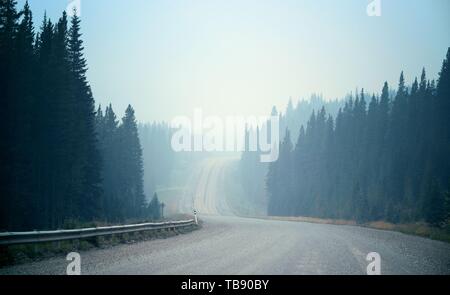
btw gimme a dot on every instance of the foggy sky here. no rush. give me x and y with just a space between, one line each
241 57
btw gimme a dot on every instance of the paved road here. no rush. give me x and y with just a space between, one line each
206 191
234 245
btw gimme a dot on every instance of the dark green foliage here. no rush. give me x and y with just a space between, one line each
107 132
447 206
122 167
132 165
435 205
9 23
87 157
253 173
50 157
388 161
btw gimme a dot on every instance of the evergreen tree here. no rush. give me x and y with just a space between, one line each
388 162
88 190
9 18
107 131
132 165
154 208
434 209
50 152
442 121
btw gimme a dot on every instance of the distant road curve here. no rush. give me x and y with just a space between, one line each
205 190
235 245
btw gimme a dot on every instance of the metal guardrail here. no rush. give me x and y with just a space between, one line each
15 238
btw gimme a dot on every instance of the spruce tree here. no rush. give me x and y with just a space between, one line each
154 208
442 119
9 18
88 191
132 169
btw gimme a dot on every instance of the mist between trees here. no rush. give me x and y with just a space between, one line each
381 157
62 162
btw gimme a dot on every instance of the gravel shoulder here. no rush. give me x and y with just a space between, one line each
234 245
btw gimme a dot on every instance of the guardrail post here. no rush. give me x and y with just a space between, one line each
94 241
76 243
137 236
195 217
125 237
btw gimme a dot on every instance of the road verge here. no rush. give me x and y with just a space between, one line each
421 229
25 253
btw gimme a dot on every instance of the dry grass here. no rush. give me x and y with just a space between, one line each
313 220
419 228
381 225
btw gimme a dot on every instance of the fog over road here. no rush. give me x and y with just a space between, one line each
206 190
228 244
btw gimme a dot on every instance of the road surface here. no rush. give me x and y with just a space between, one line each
228 244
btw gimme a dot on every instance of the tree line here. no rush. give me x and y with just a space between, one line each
380 158
160 161
60 161
122 169
251 171
298 114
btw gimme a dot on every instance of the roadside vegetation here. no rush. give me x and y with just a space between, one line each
17 254
421 229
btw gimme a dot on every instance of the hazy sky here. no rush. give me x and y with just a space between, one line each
242 57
